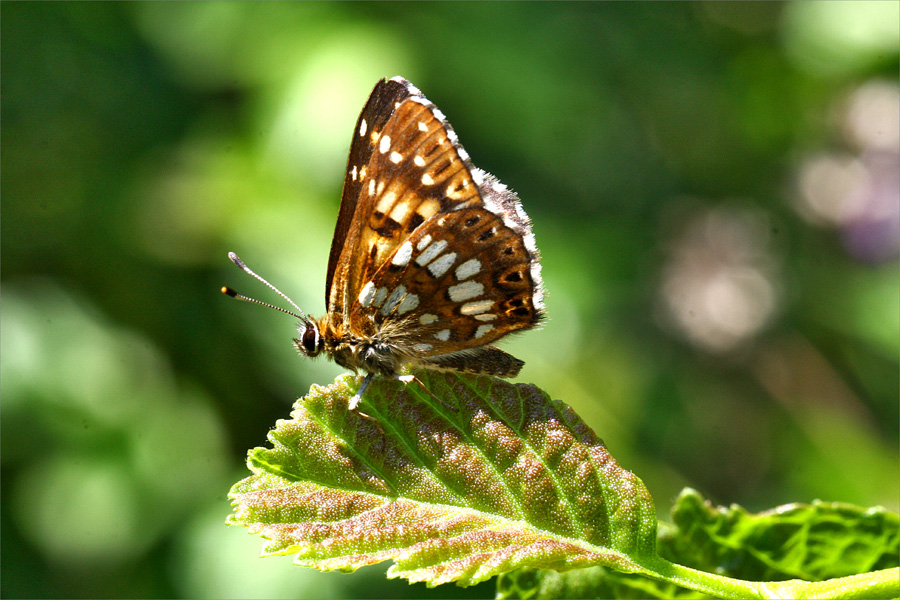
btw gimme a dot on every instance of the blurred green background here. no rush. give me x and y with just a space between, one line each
714 188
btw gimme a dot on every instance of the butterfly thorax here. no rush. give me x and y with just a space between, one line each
369 351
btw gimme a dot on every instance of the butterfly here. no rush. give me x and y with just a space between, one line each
432 260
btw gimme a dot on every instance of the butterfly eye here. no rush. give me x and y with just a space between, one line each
310 342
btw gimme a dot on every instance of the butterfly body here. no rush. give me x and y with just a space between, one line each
369 351
432 259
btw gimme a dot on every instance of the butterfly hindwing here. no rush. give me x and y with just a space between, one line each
463 279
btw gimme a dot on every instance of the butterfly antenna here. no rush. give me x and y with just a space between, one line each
230 292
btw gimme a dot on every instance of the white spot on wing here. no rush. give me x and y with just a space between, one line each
380 295
442 264
410 302
394 299
423 243
465 290
401 209
422 347
367 294
474 308
420 162
427 179
427 319
423 126
385 202
362 127
396 157
485 317
432 251
468 268
403 254
443 335
353 172
385 144
482 329
371 186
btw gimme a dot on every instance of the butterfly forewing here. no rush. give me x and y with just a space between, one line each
413 173
372 119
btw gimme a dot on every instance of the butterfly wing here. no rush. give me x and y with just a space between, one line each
386 190
463 279
441 259
377 112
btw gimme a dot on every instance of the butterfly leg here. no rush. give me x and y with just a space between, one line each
357 397
353 405
407 379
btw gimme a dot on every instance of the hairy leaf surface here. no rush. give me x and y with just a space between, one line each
490 478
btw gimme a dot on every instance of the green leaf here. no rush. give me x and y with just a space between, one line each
495 477
796 541
817 541
491 478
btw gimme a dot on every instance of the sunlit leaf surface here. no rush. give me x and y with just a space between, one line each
491 478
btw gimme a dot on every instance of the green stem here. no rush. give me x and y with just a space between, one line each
717 586
875 585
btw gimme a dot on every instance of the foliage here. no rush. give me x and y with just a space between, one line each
713 188
465 478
